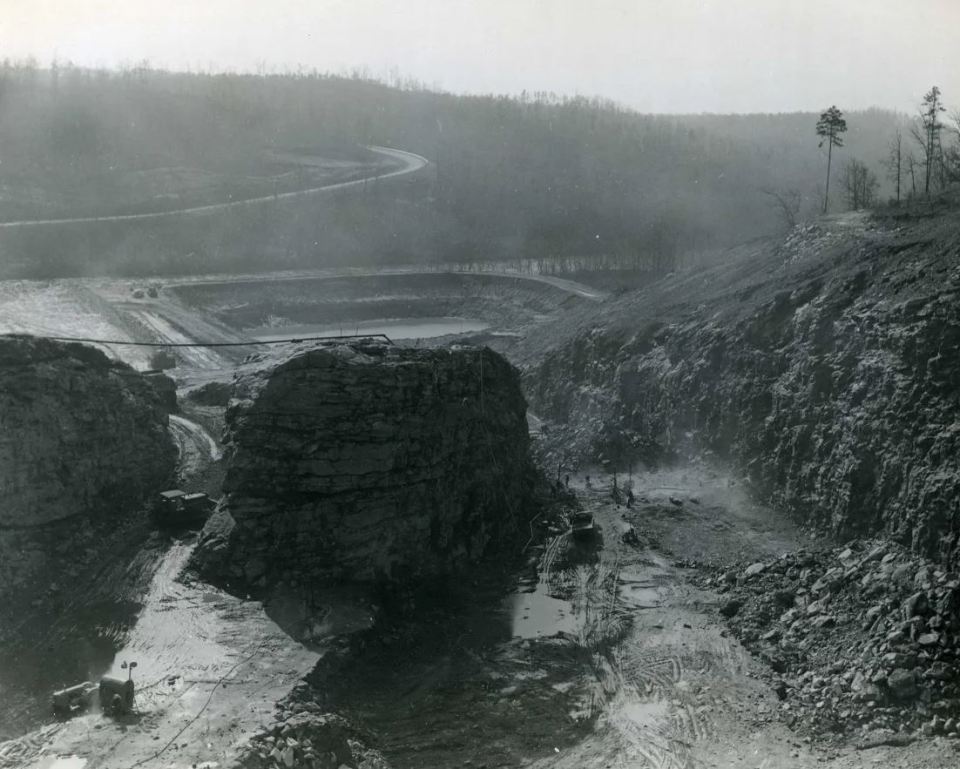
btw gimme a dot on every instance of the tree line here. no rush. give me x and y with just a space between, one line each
929 161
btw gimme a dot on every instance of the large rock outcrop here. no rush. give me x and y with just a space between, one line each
81 438
369 462
825 367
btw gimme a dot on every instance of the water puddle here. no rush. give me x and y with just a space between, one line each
538 615
643 713
640 595
407 328
62 762
641 586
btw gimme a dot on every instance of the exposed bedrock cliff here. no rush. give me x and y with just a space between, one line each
825 366
369 462
82 439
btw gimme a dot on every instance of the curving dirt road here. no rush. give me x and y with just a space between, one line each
410 163
195 444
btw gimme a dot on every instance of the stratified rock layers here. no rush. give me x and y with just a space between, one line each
368 462
81 438
827 369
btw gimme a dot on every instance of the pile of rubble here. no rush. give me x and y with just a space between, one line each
861 640
806 240
304 737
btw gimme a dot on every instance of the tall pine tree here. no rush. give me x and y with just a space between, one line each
829 127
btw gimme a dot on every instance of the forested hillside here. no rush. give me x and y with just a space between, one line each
533 177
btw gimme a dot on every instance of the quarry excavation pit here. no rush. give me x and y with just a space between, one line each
700 626
352 422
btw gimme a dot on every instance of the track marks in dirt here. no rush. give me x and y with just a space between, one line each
661 672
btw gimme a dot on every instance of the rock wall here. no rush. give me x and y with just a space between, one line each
82 438
829 374
369 462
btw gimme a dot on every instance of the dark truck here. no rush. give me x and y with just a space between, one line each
581 524
176 509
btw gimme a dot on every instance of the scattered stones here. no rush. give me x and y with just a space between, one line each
851 649
731 607
915 605
305 740
902 684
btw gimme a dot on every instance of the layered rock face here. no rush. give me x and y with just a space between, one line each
830 374
369 462
81 437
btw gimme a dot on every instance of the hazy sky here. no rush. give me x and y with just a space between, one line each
654 55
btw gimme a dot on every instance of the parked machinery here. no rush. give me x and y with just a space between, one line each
74 699
115 696
581 525
176 509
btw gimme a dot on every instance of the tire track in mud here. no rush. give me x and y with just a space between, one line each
636 688
672 691
16 753
644 679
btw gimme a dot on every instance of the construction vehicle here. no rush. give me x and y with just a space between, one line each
176 509
115 696
581 524
74 699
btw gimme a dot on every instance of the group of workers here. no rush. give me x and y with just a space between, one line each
620 497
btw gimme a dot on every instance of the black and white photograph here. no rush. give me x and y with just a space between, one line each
479 384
